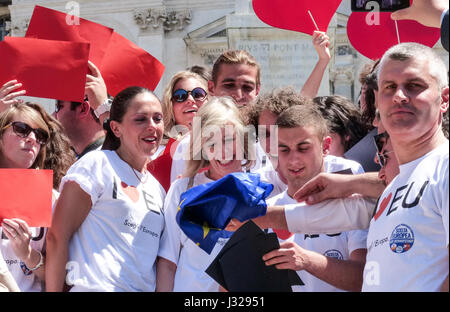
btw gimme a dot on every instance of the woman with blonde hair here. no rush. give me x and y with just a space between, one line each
222 147
182 99
23 139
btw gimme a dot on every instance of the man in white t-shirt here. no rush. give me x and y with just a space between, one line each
328 262
409 232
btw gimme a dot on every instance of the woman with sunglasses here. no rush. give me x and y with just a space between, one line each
182 99
108 219
23 138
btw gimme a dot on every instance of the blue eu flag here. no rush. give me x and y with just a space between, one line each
205 210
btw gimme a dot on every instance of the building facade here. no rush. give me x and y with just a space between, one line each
183 33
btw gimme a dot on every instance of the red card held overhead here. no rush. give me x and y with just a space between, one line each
372 34
26 194
125 64
297 15
54 25
46 68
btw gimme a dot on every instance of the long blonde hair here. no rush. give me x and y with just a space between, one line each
7 116
218 112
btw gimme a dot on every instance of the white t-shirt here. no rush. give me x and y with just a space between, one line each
409 235
182 154
336 245
332 164
191 260
116 246
330 216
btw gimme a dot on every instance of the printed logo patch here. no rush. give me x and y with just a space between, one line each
334 253
402 239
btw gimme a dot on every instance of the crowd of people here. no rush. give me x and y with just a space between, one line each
122 164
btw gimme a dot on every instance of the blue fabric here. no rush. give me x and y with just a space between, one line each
206 209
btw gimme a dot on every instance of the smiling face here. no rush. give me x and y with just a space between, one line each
141 129
410 101
18 152
301 155
223 150
238 81
185 112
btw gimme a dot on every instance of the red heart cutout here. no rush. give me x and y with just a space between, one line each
130 191
374 40
383 206
293 15
283 234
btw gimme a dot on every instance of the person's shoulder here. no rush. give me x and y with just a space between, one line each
91 159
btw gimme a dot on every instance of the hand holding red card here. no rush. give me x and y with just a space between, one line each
46 68
26 194
304 16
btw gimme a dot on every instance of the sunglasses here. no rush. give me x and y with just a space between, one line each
23 130
380 140
182 95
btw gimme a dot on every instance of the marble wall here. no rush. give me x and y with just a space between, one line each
182 33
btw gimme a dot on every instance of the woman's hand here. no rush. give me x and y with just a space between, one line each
19 234
8 96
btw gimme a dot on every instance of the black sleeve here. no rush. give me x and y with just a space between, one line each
444 32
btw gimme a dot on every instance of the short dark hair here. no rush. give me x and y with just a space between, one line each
303 116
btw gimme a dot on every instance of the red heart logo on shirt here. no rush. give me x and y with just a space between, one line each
383 205
373 33
130 191
295 15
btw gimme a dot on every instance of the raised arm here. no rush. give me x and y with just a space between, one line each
96 90
321 44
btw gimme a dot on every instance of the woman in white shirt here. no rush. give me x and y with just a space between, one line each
108 219
223 148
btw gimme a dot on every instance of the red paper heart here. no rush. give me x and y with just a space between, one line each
383 206
283 234
374 40
293 15
130 191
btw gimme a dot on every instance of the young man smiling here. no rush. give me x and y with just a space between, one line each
324 262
